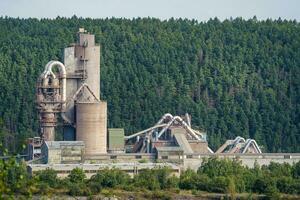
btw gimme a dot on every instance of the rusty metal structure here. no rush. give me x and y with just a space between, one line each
71 91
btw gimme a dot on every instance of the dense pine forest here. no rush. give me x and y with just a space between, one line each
236 77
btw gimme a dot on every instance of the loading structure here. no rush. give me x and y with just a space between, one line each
240 145
169 131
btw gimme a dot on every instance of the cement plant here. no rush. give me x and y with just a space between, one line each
68 95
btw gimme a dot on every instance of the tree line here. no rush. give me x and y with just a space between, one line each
223 176
235 77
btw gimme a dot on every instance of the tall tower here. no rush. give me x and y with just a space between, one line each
82 62
84 108
75 93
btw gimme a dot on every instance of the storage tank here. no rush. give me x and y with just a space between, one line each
91 123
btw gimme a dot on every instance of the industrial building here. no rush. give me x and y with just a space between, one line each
68 95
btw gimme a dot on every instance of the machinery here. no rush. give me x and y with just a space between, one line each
169 131
239 145
72 91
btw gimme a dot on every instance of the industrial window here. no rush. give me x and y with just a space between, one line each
138 156
164 157
113 157
189 156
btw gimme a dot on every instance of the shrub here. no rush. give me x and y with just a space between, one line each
44 188
203 182
296 170
284 184
78 189
110 178
147 179
160 195
77 175
49 177
219 184
214 167
263 184
162 175
188 180
272 193
14 177
94 187
172 182
278 170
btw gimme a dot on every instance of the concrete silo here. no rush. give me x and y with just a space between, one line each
91 126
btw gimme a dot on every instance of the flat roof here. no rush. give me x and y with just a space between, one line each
172 148
58 144
37 167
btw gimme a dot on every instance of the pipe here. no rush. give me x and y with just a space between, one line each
185 125
238 139
248 142
209 149
63 76
188 119
165 116
144 131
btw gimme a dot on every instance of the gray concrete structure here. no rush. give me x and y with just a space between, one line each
194 161
91 126
62 152
132 168
82 62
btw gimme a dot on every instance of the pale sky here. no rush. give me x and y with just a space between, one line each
163 9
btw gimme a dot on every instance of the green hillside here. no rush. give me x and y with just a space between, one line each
234 77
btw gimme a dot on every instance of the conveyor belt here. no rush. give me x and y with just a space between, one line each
183 143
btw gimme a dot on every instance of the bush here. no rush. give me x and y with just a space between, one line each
162 175
188 180
78 189
214 167
296 170
203 182
160 195
49 177
110 178
77 175
264 184
219 184
278 170
295 187
272 193
44 188
147 179
284 185
94 187
14 178
172 182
